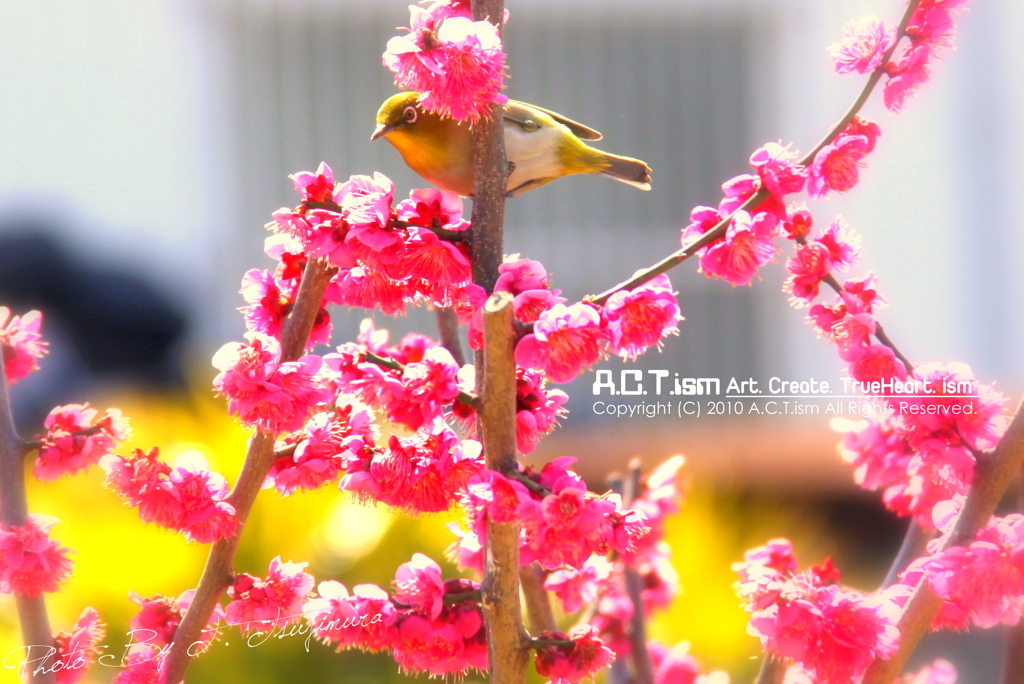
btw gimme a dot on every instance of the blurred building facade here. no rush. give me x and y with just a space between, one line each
157 136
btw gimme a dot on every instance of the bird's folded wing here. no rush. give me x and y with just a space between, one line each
526 117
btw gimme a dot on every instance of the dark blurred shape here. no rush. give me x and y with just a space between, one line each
118 324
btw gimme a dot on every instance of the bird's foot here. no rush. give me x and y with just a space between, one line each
524 187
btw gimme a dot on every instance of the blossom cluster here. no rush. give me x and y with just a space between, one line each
21 343
322 450
924 453
920 448
187 498
929 33
423 380
566 340
455 64
749 240
562 522
30 561
982 583
833 633
423 473
152 633
75 439
76 650
428 624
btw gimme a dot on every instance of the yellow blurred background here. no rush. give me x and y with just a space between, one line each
344 540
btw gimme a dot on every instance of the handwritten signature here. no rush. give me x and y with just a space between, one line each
282 627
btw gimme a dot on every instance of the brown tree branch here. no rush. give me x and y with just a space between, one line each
915 543
537 599
773 670
762 194
991 478
1013 644
35 623
219 571
448 333
507 640
643 670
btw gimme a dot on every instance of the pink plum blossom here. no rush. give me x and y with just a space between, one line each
878 362
776 165
418 584
638 319
321 451
274 603
30 561
565 341
187 497
160 616
749 243
20 343
144 665
905 76
574 588
78 649
452 644
831 632
364 619
432 208
842 243
587 656
454 63
199 492
864 42
270 298
264 392
807 268
986 577
424 472
836 166
75 439
315 186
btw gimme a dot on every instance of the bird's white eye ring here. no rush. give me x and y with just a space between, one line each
411 114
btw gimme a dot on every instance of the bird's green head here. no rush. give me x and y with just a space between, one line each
401 111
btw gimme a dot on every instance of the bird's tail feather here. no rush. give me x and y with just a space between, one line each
630 171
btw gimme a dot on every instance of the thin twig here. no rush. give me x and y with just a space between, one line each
462 596
218 573
443 233
535 487
1013 643
880 333
991 478
558 643
537 599
643 670
676 258
915 542
762 194
35 623
773 670
448 333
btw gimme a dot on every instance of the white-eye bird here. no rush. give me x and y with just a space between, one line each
540 146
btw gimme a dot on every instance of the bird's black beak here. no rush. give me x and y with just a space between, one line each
381 129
